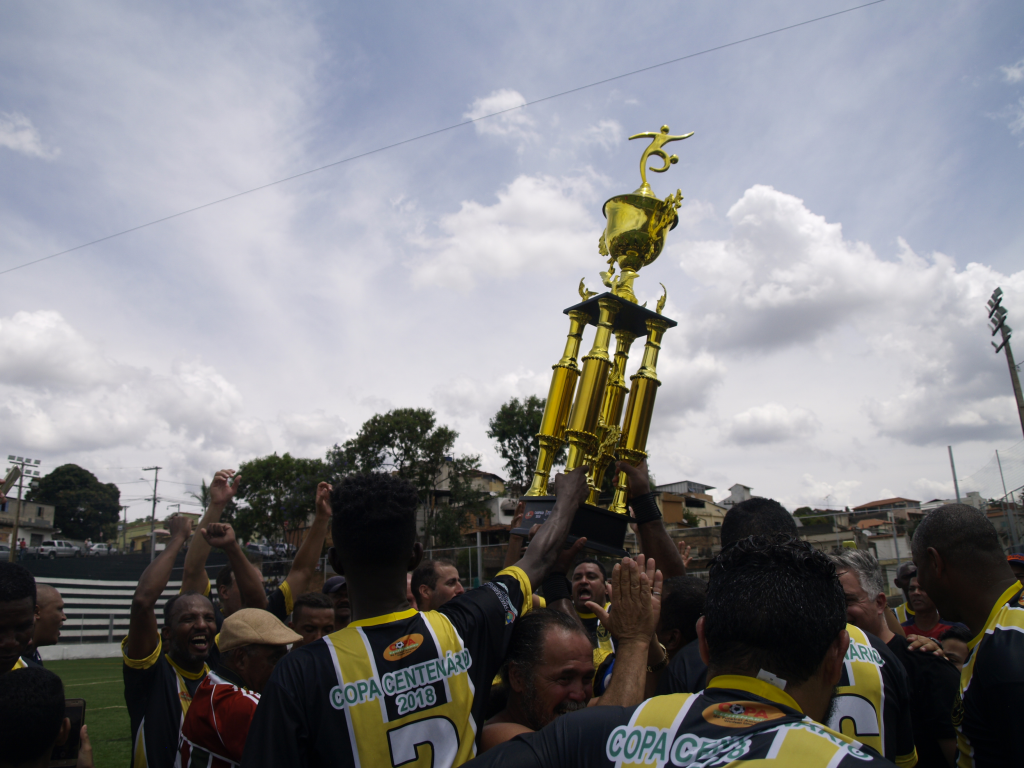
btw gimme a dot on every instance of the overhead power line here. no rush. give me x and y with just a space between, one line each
428 134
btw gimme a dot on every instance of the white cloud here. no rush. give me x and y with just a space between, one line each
1014 73
605 134
1016 115
312 433
513 122
539 222
772 423
18 134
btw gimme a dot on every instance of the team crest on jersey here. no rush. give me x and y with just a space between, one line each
501 591
741 714
958 711
602 632
402 647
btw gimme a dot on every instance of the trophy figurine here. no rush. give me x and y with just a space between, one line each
585 404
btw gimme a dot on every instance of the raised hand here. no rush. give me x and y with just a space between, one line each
637 477
567 556
224 486
323 499
517 518
220 535
572 488
180 526
684 552
632 618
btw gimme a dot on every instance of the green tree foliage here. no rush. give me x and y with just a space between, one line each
406 441
808 517
514 429
410 443
276 492
203 497
84 505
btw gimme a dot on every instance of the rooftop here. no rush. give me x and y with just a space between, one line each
896 502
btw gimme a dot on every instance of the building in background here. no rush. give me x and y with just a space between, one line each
35 522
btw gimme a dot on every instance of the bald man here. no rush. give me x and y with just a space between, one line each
49 620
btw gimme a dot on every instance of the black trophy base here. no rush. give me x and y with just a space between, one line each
605 531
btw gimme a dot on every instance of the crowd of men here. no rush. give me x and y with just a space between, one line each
783 653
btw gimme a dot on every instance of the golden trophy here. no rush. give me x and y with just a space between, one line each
584 408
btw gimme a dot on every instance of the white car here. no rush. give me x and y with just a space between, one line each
58 548
99 550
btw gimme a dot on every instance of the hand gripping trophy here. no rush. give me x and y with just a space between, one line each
584 406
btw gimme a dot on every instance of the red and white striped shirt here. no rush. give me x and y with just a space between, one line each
213 734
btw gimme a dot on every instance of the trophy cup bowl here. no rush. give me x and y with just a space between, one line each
636 229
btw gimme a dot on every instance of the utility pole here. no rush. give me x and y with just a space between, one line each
152 519
895 538
20 463
124 532
997 316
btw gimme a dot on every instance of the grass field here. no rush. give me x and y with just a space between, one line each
99 682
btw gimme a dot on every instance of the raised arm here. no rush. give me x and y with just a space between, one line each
248 578
636 604
515 541
304 564
654 536
570 491
222 490
143 632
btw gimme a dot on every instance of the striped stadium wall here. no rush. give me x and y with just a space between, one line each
89 605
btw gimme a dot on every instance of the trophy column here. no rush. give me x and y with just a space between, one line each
556 409
611 414
637 423
581 431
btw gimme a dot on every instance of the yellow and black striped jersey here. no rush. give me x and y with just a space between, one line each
405 689
735 721
903 612
597 631
157 693
985 714
873 699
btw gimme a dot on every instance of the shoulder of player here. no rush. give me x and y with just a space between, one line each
1002 646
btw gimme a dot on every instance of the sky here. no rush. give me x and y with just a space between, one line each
852 196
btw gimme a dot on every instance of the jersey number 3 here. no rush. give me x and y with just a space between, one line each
438 733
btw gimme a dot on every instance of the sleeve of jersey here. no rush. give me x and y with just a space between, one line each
484 618
279 733
579 738
899 731
281 601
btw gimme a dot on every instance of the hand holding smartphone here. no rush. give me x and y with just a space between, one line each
66 755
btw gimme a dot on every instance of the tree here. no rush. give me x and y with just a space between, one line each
406 441
84 505
810 517
276 492
203 497
410 443
514 428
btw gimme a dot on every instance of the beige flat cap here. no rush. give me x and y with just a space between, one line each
254 626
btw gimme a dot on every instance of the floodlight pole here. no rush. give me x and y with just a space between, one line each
997 316
12 556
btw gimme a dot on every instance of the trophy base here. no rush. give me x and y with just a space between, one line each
605 531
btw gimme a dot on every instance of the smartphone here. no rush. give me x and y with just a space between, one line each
67 753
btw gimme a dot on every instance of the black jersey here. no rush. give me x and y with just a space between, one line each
686 673
991 685
157 693
873 699
393 689
933 685
734 721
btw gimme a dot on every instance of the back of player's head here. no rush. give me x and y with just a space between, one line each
374 521
682 603
956 632
526 645
16 583
774 604
962 536
864 564
756 517
32 712
311 600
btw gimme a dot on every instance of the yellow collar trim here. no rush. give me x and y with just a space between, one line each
756 687
591 615
1000 602
386 618
184 672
